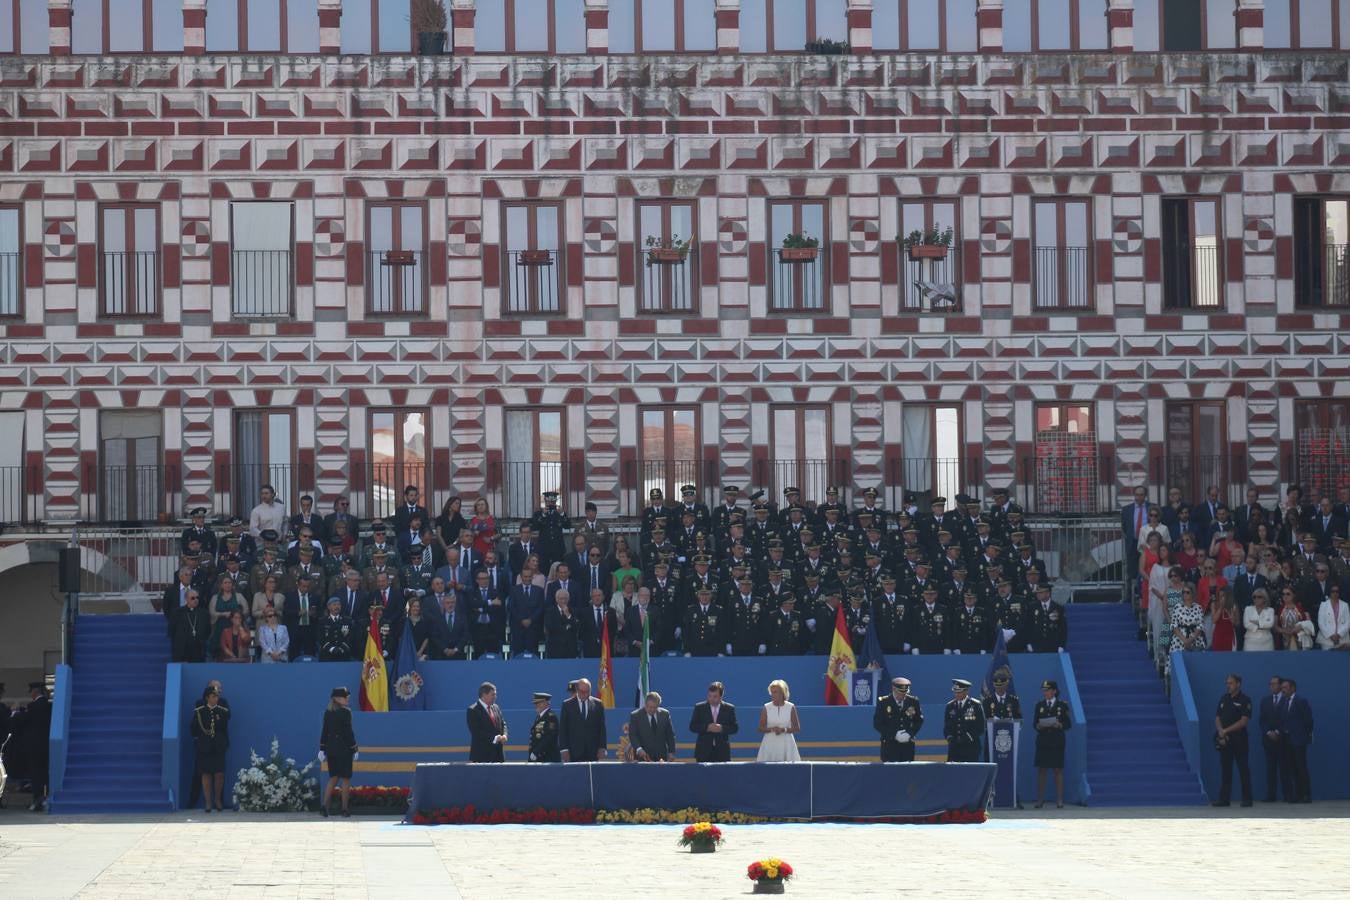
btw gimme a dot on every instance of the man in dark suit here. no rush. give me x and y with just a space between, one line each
36 742
581 730
1207 510
650 731
544 731
340 513
1296 734
1327 525
1270 712
714 722
300 612
595 574
521 549
525 609
594 621
562 637
632 625
1242 516
487 614
449 628
1248 582
1133 519
175 597
408 510
487 728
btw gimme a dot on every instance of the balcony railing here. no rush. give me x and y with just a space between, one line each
246 481
515 488
1068 478
798 279
669 285
932 283
1323 280
929 477
397 281
1191 276
130 283
1194 475
10 285
133 493
261 283
1063 277
533 280
387 483
1321 463
14 487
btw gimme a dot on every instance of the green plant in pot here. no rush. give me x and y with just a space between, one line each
799 247
932 243
428 20
667 250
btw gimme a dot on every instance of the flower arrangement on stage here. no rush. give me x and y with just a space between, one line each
686 816
275 784
701 837
395 798
469 815
769 875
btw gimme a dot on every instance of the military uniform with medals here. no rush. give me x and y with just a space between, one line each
705 632
963 725
549 525
747 622
894 719
784 631
972 629
928 630
544 734
335 639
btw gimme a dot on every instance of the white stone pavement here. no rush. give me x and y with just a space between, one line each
1075 853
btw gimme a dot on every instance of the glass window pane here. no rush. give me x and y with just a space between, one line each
264 25
6 33
1275 22
355 26
1345 24
546 228
410 222
382 438
569 28
1078 419
222 25
395 30
302 26
531 25
653 435
1017 26
9 230
1052 24
1337 222
916 442
550 436
114 230
124 28
912 218
621 24
813 221
658 25
1314 23
1205 218
944 216
167 31
86 24
1076 224
754 26
816 431
923 25
489 27
683 437
1092 30
781 223
886 25
789 24
1147 29
832 20
147 238
784 437
381 235
279 441
261 226
1047 225
700 25
682 221
414 437
1220 25
517 228
962 31
649 223
33 26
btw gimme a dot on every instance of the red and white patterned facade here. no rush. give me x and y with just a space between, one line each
466 135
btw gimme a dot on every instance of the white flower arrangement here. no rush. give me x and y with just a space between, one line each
275 784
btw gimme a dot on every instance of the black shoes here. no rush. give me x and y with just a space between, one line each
1221 803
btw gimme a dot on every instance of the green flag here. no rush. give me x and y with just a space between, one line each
644 663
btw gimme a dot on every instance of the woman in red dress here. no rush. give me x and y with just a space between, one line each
483 526
1224 616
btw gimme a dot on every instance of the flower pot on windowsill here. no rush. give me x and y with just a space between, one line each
397 258
927 251
798 254
431 43
535 258
769 886
666 256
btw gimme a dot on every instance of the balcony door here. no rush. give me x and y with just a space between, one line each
129 260
534 459
1194 458
932 453
264 447
670 452
398 458
131 465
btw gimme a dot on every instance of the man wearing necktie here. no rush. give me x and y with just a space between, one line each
650 732
581 729
486 611
595 620
450 633
1133 518
298 616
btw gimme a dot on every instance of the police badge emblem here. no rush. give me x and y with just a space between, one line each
1003 741
862 692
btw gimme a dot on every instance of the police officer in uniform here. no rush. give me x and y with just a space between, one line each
544 731
963 724
1002 703
748 620
857 618
335 634
972 628
688 503
549 524
1045 627
1051 720
706 631
657 513
928 630
784 632
1230 725
897 719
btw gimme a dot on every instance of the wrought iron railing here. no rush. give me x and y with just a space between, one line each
670 280
397 281
130 284
798 278
533 281
933 279
1191 276
1323 279
10 284
261 283
1063 277
133 493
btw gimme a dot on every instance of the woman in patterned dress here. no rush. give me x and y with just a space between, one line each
1188 625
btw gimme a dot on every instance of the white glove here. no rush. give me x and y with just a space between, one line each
983 652
915 651
956 652
1008 634
946 653
677 634
902 736
811 624
1060 650
763 649
906 648
356 755
728 649
322 757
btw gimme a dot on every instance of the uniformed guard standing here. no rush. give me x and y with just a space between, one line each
544 731
335 634
963 724
1002 704
928 631
748 621
897 719
549 525
706 629
1230 723
1045 628
784 632
973 628
1052 719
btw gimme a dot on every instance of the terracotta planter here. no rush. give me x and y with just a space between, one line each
397 258
703 848
535 257
928 251
769 886
666 256
798 254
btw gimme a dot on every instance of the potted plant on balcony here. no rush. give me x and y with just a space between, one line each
428 20
930 244
827 47
534 257
799 248
666 251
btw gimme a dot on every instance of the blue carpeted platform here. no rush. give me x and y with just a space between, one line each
1134 754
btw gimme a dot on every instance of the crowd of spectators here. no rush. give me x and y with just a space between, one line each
742 578
1253 578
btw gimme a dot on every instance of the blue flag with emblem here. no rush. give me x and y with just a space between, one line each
1001 737
873 659
998 663
407 690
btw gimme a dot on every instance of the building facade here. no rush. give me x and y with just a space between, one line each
606 245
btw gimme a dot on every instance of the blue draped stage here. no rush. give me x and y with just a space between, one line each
780 790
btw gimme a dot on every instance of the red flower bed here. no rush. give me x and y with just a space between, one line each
468 815
946 817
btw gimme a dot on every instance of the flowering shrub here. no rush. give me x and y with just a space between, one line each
275 784
380 797
686 816
468 815
773 869
702 834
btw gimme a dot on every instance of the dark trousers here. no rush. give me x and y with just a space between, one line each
1274 751
898 752
1295 773
963 752
1235 753
487 638
302 641
526 640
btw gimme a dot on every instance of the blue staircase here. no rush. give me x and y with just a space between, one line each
1134 756
113 761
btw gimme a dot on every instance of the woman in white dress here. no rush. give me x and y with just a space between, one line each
778 723
1258 621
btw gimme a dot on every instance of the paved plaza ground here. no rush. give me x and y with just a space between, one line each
1074 853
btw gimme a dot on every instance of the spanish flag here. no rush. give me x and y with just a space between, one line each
606 669
839 675
374 678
